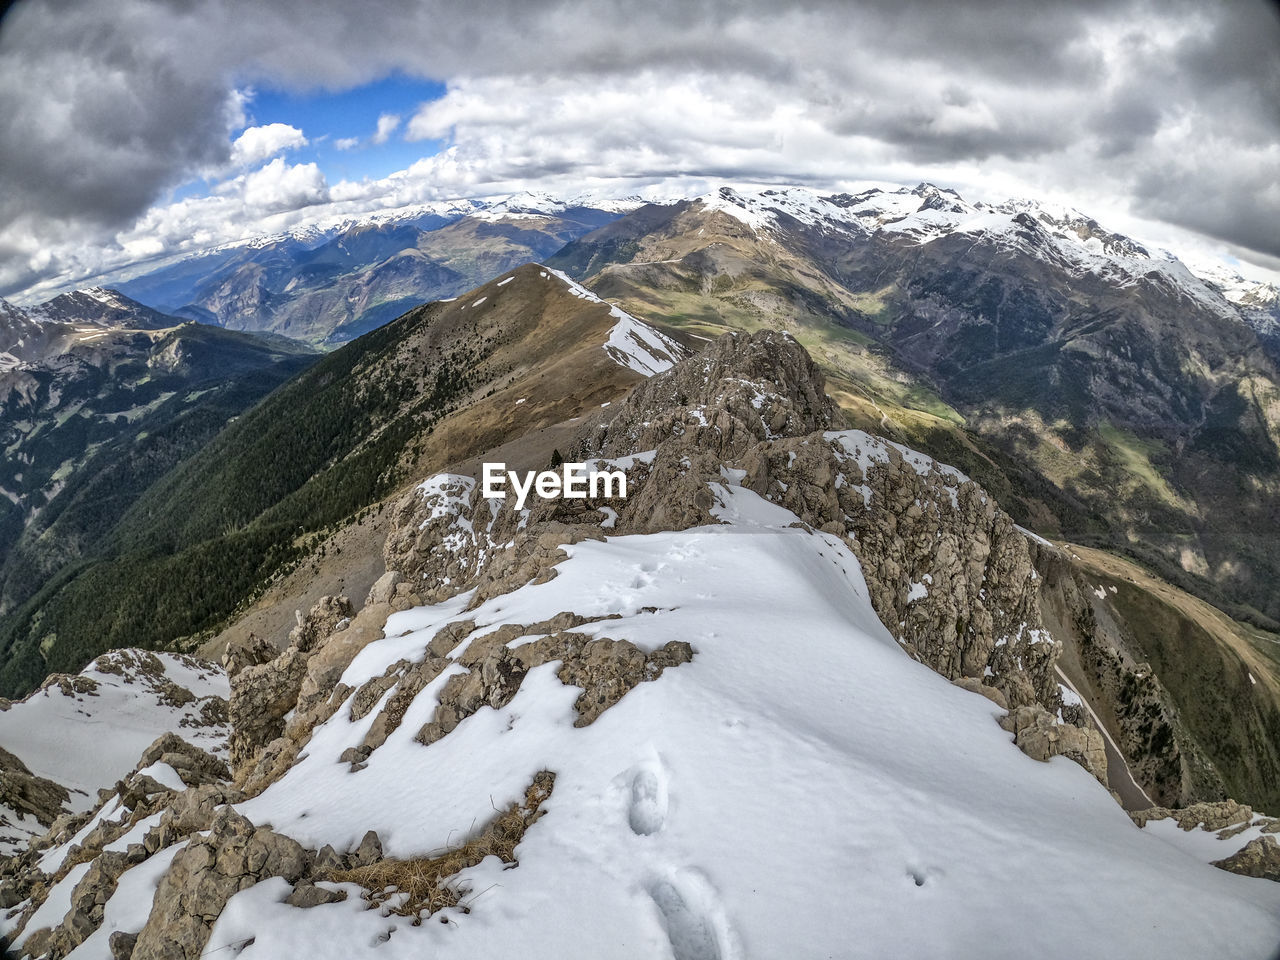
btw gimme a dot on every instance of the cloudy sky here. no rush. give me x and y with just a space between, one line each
132 130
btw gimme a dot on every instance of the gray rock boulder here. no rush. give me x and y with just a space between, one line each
210 871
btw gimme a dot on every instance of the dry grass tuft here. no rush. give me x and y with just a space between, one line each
418 888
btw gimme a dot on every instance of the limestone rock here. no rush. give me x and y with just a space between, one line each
263 693
1259 858
369 852
194 765
247 651
1212 816
977 686
190 811
121 945
204 876
27 793
323 621
306 895
1040 736
384 588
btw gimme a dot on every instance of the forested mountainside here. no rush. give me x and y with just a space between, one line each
256 499
99 397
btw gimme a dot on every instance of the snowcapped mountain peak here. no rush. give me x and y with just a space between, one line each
528 201
941 198
1072 225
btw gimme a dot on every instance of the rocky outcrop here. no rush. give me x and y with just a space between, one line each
1214 817
1259 858
1041 736
27 794
605 669
247 651
210 871
263 691
1147 726
194 766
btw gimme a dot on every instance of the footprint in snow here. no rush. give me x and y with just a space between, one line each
695 921
647 813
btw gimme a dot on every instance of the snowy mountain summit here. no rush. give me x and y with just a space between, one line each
762 707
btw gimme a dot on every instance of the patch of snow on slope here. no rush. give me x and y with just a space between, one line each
632 343
1205 845
89 739
802 780
56 905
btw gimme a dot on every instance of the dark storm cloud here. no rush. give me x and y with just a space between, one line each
104 106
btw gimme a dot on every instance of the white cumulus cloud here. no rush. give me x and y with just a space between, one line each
281 186
260 143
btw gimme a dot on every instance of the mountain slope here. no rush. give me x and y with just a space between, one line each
1106 393
128 698
711 719
335 440
98 409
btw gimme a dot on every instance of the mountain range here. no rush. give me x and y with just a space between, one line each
1103 392
920 492
329 286
602 724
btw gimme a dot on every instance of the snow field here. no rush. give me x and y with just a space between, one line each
802 788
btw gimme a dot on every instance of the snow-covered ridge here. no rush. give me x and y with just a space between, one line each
926 213
632 343
800 760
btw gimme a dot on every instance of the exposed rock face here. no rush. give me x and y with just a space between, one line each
263 691
25 793
247 652
748 388
948 572
1259 858
210 871
1160 753
1038 734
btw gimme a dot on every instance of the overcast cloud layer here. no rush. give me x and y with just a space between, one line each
1170 112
